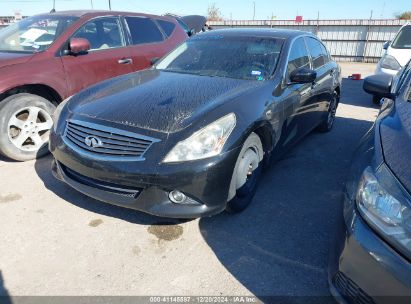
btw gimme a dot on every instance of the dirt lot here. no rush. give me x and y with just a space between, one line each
55 241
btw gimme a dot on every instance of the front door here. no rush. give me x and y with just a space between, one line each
298 98
107 58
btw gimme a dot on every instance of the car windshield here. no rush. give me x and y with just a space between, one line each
253 58
34 34
403 38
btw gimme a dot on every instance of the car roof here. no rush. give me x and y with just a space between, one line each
260 32
95 13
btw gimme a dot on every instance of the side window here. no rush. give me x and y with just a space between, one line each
318 52
102 33
168 27
143 30
299 57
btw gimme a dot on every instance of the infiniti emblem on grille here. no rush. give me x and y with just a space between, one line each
93 142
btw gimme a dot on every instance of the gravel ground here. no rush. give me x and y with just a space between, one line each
55 241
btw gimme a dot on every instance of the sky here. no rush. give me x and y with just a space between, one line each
230 9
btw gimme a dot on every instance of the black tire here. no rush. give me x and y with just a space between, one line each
376 99
244 195
328 122
22 106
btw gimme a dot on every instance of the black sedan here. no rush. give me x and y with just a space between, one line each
189 137
371 260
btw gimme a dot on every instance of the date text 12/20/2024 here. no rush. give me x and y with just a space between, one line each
205 299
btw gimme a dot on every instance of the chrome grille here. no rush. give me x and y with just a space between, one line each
102 141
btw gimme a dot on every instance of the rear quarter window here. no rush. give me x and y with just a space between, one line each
167 26
143 30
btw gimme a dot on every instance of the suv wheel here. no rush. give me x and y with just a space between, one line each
376 99
25 123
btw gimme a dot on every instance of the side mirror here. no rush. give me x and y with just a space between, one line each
379 85
303 75
79 46
386 45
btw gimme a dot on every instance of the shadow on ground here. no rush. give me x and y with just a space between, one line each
279 246
353 94
69 195
4 295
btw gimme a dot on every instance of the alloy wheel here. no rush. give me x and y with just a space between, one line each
331 112
28 128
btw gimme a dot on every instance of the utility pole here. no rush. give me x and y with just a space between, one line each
109 5
54 7
254 10
91 2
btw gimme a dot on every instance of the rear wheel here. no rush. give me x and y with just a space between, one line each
247 173
328 122
25 123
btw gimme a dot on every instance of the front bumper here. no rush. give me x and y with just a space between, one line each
363 268
145 185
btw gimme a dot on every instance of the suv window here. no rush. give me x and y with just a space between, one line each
318 52
299 57
143 30
102 33
403 38
167 26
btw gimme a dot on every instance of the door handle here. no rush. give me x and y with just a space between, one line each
125 61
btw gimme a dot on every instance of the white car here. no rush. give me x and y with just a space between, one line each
397 54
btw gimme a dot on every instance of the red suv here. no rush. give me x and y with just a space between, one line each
46 58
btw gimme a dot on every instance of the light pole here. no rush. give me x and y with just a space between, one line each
254 10
109 5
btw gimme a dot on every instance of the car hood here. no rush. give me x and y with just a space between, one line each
396 142
156 100
7 59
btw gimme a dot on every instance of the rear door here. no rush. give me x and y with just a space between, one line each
146 41
323 86
107 58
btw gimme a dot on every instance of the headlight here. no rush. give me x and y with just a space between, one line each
387 212
58 110
389 62
207 142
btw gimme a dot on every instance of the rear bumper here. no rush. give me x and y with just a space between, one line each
363 268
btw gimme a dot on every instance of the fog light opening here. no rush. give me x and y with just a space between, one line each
177 197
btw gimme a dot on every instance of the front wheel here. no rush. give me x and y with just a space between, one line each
25 123
246 175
